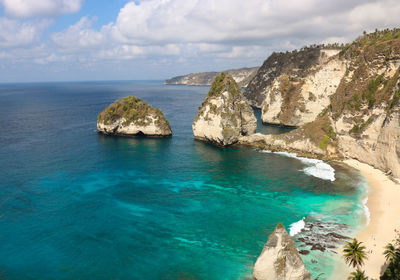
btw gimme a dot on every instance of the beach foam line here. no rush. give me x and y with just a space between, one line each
296 227
316 167
364 187
366 210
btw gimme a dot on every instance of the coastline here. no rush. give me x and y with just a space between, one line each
383 204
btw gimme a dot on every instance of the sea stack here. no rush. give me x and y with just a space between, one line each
225 114
130 116
280 260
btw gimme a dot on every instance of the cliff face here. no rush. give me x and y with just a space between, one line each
282 75
293 88
225 114
359 115
365 109
241 76
279 259
295 101
131 116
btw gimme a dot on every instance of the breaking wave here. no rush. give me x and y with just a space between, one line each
315 167
296 227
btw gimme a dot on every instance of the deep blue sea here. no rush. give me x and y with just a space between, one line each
75 204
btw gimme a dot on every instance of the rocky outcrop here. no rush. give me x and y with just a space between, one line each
296 101
295 64
225 115
131 116
293 88
241 76
279 259
361 116
310 140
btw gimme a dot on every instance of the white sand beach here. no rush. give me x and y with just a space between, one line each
384 206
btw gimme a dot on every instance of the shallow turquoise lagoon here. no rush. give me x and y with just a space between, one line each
75 204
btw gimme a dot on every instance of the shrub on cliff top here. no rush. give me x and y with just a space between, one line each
223 83
133 109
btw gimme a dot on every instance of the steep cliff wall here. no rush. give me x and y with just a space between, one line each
293 88
281 77
356 113
365 109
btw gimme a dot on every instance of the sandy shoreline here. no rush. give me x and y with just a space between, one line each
384 207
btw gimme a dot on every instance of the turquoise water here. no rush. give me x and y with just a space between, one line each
75 204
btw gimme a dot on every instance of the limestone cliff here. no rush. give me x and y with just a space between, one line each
293 88
225 115
279 259
285 71
241 76
361 118
131 116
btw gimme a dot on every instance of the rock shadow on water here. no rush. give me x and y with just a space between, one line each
139 141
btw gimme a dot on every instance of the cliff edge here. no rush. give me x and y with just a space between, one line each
361 117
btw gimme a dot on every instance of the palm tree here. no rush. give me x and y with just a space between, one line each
358 275
354 253
391 252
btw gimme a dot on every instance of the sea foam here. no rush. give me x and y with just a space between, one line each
366 210
316 167
296 227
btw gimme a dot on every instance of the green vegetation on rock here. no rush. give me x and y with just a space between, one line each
223 83
133 110
226 111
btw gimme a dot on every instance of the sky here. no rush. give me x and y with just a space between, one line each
76 40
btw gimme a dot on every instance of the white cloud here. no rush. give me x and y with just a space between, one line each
79 36
224 30
36 8
216 34
50 59
210 21
375 15
14 33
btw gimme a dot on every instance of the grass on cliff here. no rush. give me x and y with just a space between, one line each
363 88
134 110
366 89
291 68
223 83
367 86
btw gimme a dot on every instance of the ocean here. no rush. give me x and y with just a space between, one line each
75 204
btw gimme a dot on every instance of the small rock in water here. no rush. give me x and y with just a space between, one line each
337 236
322 236
130 116
318 247
304 252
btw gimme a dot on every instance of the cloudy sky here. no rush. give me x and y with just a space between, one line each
67 40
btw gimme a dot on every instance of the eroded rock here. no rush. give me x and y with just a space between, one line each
225 115
280 260
130 116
